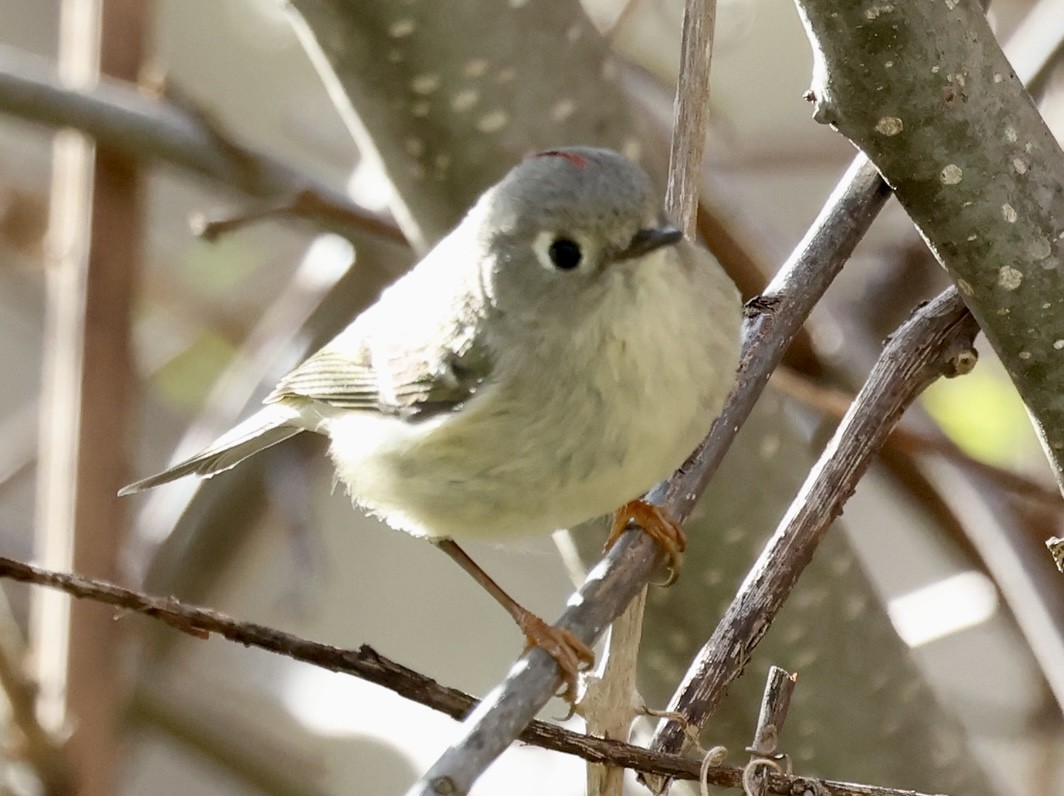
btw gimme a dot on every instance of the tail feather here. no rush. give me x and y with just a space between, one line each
267 427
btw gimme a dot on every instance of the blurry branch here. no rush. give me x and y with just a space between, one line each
95 236
129 123
367 664
939 110
936 341
305 204
219 737
41 748
834 403
1036 42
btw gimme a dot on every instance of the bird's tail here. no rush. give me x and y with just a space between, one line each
267 427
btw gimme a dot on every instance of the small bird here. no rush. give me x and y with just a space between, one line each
558 353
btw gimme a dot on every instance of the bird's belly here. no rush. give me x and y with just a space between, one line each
562 434
498 468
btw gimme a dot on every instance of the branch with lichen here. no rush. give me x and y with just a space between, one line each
938 109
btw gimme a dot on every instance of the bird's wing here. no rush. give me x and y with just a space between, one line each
392 362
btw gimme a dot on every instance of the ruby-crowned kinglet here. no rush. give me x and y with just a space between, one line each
562 350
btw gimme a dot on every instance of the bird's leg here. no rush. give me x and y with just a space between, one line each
659 525
571 653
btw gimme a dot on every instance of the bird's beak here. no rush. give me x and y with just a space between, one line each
647 240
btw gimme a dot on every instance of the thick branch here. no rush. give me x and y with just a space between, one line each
935 341
936 106
369 665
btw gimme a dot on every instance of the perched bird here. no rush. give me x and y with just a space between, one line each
558 353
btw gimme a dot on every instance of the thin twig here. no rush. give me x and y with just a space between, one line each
691 112
131 124
367 664
774 318
305 204
775 702
764 757
935 341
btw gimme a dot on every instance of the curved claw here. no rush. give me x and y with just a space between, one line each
657 523
571 654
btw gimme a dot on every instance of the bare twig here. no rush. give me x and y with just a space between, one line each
691 112
764 756
774 318
367 664
135 126
775 703
305 204
935 341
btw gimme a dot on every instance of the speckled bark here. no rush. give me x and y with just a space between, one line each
450 95
924 89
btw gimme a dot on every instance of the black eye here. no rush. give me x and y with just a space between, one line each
565 254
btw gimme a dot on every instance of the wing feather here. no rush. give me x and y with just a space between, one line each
415 353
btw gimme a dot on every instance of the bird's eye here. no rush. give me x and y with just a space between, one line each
565 254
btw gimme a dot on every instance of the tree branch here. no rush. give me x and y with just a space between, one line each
367 664
691 114
935 341
130 124
937 107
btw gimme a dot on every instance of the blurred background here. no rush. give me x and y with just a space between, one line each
921 633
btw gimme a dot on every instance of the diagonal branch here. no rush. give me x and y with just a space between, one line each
367 664
936 341
630 564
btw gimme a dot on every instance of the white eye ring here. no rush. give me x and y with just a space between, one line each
559 252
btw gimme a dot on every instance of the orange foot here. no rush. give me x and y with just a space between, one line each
568 651
659 525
